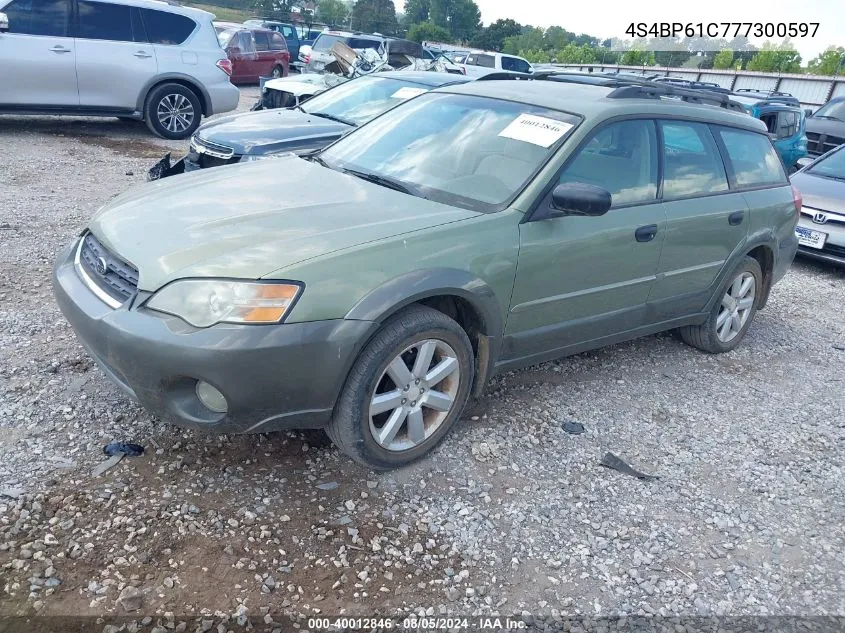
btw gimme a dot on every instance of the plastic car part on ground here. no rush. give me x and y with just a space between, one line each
615 463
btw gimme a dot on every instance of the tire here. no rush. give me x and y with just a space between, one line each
166 96
278 72
711 336
403 338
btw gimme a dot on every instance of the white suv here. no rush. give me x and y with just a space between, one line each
480 64
133 59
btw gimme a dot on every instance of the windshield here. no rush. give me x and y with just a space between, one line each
834 110
362 99
325 42
468 151
831 167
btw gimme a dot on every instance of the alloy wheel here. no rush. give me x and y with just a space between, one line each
414 395
175 112
736 307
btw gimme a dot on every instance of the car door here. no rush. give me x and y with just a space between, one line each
265 58
707 220
244 57
583 278
291 40
38 55
114 61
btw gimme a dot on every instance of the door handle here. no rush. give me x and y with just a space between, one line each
60 49
735 218
646 233
142 55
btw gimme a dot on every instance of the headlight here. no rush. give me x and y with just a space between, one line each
248 158
204 302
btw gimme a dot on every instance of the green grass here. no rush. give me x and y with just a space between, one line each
223 14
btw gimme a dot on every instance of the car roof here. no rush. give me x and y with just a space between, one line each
163 5
593 102
424 77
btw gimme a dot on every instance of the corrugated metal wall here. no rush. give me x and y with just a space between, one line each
811 90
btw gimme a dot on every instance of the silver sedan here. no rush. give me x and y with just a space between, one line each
821 228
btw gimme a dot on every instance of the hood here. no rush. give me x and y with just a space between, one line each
824 194
267 131
828 127
246 221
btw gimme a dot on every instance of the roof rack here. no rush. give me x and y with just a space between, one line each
656 91
771 93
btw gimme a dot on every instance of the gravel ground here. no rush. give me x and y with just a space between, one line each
511 514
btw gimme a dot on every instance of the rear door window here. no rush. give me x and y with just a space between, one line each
620 157
39 17
752 159
515 64
106 21
787 124
691 161
167 28
262 42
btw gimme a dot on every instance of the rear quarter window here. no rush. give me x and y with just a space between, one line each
487 61
277 42
167 28
753 160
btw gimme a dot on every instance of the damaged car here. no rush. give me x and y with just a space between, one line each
325 118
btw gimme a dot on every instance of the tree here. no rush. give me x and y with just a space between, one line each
416 11
278 9
332 12
774 58
426 31
492 38
724 59
374 16
830 62
637 57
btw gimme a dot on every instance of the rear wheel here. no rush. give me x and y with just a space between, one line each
731 317
173 111
278 71
405 391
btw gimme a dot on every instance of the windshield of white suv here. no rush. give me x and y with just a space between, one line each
358 101
832 166
833 110
467 151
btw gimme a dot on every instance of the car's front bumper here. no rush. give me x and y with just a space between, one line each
833 250
273 376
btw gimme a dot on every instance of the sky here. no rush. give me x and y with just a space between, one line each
610 18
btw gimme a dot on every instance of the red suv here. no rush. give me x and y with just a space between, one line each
254 52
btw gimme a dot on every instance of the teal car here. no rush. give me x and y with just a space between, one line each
784 119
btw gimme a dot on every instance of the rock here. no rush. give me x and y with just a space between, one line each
167 582
130 598
329 485
350 505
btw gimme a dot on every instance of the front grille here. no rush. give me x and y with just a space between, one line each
108 273
209 154
818 144
205 160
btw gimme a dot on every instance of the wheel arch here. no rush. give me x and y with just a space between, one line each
463 297
175 78
761 246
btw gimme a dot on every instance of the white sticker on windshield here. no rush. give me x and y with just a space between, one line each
537 130
407 92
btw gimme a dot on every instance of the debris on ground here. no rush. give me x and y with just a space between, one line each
128 449
612 461
573 428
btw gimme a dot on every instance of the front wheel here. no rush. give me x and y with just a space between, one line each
405 391
173 111
731 317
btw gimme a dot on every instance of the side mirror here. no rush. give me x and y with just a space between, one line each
804 161
808 112
4 23
578 198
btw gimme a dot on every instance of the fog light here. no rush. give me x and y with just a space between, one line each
211 397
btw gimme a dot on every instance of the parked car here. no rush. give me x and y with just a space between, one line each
784 119
131 59
287 31
320 54
371 287
254 52
316 123
821 229
478 64
826 127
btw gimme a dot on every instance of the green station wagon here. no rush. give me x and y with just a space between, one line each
372 288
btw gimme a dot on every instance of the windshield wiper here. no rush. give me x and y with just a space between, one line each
332 117
385 181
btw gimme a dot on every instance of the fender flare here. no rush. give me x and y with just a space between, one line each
765 237
415 286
